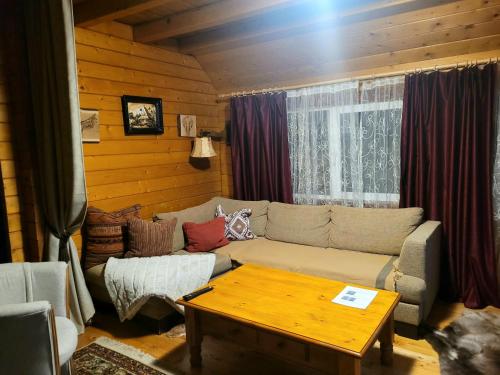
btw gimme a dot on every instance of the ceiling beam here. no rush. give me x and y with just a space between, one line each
299 19
93 12
203 18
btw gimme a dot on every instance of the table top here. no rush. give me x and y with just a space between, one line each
298 306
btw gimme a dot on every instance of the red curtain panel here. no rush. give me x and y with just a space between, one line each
259 148
447 155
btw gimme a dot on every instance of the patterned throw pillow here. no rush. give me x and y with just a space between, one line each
105 234
148 239
237 226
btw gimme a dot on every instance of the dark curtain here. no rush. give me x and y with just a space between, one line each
259 148
447 150
5 255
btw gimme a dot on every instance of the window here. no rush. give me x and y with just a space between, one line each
345 143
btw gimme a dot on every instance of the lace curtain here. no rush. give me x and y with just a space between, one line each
344 142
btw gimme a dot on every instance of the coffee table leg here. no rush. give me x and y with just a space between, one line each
348 365
386 339
193 336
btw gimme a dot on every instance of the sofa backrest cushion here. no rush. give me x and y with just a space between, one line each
374 230
258 219
198 214
301 224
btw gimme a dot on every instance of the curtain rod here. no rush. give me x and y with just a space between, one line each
223 97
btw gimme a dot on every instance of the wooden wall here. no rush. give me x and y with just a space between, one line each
154 171
15 155
7 165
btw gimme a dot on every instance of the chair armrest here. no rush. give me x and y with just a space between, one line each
50 283
29 339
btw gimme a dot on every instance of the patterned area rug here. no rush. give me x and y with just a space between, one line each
109 357
470 345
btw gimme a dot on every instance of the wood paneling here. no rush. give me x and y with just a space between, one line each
154 171
16 171
260 54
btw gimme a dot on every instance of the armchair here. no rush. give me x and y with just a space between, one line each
36 335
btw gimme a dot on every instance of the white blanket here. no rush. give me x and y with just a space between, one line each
131 282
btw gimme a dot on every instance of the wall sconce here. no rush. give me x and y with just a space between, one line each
203 147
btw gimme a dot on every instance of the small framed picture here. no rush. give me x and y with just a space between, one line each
187 124
89 121
142 115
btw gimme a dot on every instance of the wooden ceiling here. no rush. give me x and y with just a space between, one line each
245 44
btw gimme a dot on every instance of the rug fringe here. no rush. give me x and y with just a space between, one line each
131 352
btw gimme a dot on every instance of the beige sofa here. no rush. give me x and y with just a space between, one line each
385 248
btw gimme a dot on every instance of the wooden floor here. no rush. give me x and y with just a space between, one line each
410 356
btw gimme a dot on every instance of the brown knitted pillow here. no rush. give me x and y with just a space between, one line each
106 234
147 239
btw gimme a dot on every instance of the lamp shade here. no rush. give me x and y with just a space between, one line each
203 148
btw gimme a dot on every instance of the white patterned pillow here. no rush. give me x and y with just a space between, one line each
237 226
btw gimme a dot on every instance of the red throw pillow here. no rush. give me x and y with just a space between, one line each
206 236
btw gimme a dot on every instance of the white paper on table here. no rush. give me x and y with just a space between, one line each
355 297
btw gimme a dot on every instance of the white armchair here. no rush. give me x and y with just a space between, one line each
36 335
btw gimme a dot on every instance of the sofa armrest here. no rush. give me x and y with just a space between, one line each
420 258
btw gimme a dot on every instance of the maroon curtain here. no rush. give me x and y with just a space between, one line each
259 148
447 152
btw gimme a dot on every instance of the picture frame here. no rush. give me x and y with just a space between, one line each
187 124
89 122
142 115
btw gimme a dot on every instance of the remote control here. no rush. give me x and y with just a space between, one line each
190 296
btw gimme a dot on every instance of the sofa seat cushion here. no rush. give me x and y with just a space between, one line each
67 338
300 224
343 265
154 308
198 214
258 219
375 230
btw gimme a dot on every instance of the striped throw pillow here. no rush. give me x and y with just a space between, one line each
147 239
105 234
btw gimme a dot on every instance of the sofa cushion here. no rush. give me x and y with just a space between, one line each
258 219
198 214
105 234
148 239
356 267
300 224
237 227
205 236
374 230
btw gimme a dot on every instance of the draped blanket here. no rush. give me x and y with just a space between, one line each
132 282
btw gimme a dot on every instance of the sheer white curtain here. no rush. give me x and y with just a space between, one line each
344 142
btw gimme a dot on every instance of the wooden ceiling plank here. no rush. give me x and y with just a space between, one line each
481 22
255 31
299 51
202 18
293 75
93 12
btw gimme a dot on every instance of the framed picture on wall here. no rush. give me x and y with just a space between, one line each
142 115
89 120
187 125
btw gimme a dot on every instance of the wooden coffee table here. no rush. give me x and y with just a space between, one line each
291 315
